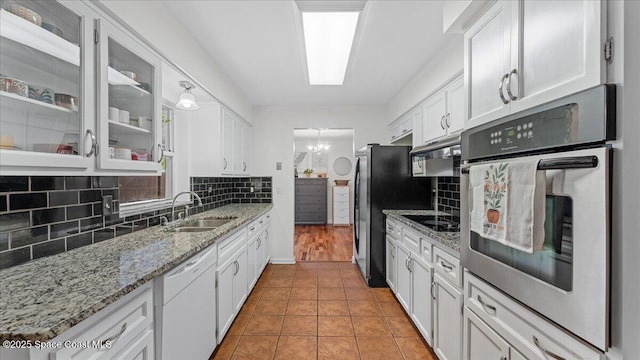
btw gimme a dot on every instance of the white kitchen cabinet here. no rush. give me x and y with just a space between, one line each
447 319
240 281
340 205
390 260
129 80
480 342
205 125
520 54
236 145
402 127
140 349
38 132
253 260
443 112
421 304
231 279
403 282
526 332
127 323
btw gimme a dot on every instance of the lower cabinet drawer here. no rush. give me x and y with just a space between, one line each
448 266
116 331
532 335
228 246
311 217
411 240
310 207
341 211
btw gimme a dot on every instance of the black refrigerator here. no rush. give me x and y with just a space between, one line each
382 181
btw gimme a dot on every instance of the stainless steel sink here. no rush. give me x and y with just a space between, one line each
202 225
192 229
209 223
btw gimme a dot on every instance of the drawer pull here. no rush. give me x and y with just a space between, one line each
490 307
503 358
115 336
252 228
446 267
545 351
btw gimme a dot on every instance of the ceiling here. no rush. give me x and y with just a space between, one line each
259 44
325 134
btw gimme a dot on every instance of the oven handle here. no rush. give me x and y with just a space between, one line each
577 162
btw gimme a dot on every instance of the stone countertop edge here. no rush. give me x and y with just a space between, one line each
449 240
41 299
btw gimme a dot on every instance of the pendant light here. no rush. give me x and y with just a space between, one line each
187 100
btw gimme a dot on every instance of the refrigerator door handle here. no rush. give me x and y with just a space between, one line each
356 205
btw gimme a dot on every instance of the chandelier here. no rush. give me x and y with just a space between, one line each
318 147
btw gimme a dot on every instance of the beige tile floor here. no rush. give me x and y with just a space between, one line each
321 310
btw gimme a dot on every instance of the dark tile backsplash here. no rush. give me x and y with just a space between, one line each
449 195
220 191
46 215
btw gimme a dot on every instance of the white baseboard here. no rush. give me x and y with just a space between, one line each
353 259
286 261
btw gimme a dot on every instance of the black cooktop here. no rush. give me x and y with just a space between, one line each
437 222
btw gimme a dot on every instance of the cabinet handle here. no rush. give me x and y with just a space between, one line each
115 336
490 307
225 163
259 243
503 358
94 143
433 283
404 130
500 92
237 267
244 166
161 152
447 120
446 267
442 122
393 254
545 351
514 71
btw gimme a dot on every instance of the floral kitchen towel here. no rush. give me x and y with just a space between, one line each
508 203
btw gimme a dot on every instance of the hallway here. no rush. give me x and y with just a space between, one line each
323 243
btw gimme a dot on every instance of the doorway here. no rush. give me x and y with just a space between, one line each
323 167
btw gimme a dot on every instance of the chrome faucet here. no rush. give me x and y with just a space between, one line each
173 204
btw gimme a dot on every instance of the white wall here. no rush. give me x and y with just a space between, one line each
157 25
340 147
273 142
444 66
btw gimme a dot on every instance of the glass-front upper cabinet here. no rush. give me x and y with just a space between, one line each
46 95
129 103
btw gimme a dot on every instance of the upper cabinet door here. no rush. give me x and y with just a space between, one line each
561 50
455 106
227 143
434 117
487 59
129 103
46 96
247 139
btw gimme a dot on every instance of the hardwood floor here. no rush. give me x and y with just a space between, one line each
323 243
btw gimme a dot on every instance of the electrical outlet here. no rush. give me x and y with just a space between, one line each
210 190
107 205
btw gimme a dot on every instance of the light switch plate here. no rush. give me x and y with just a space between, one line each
107 205
278 165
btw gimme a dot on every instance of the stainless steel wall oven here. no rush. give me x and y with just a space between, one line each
568 280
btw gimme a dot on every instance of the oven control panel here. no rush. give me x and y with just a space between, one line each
545 129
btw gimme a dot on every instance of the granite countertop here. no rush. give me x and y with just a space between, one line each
449 239
43 298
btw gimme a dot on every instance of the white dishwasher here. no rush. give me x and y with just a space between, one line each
186 309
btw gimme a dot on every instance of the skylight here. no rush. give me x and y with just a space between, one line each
328 40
